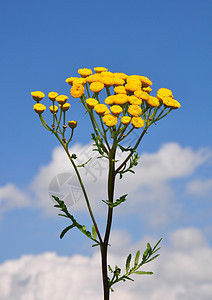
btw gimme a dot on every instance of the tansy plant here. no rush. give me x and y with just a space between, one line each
127 107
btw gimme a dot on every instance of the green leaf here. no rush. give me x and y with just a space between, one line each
66 230
143 272
128 262
94 233
137 258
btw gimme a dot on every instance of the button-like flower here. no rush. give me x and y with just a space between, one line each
134 100
100 69
116 110
137 122
145 81
163 92
52 95
110 100
171 103
120 90
70 80
61 99
77 90
142 95
147 89
72 124
53 109
39 108
96 87
65 106
37 95
85 72
100 109
118 81
91 102
134 110
153 101
120 99
110 120
121 75
125 120
93 78
132 87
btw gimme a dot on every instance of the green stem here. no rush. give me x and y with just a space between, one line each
82 186
104 249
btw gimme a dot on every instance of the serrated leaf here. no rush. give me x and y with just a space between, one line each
137 258
128 262
143 272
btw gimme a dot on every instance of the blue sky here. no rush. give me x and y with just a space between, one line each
43 43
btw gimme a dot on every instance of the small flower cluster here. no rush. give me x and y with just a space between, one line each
63 106
128 97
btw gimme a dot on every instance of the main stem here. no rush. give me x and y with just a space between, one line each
104 248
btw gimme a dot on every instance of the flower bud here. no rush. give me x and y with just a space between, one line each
72 124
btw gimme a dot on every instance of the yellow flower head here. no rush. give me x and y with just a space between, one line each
96 87
81 81
110 100
161 93
147 89
134 110
107 111
93 78
152 101
110 120
134 78
145 81
120 99
91 102
65 106
107 80
120 90
70 80
131 87
53 109
171 103
134 100
141 95
100 109
118 81
85 72
125 120
39 108
52 95
77 90
100 69
121 75
116 110
72 124
61 99
137 122
38 95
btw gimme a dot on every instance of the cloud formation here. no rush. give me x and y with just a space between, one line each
183 271
12 197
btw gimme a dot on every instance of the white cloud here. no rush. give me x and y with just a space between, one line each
200 188
150 187
12 197
182 272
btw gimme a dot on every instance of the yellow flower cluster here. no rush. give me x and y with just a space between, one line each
53 96
130 95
